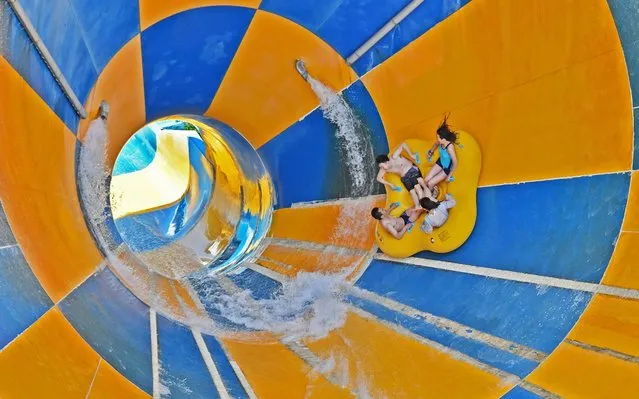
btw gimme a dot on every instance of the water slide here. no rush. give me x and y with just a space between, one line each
541 301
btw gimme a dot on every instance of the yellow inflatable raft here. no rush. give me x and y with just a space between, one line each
462 217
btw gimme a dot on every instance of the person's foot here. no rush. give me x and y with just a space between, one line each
426 228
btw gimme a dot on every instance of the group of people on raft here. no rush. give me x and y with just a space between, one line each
423 190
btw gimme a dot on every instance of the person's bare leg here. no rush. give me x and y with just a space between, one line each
435 192
413 214
421 181
437 179
419 194
435 170
413 195
427 193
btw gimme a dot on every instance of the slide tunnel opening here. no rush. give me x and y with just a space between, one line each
285 292
190 194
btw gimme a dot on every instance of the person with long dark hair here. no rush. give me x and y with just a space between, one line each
437 211
447 162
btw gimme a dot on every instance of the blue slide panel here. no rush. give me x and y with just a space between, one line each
183 372
421 20
107 26
536 316
520 393
231 382
311 150
115 323
344 24
22 299
484 353
560 228
186 56
261 287
56 23
16 47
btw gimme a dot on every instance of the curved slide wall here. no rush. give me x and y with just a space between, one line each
542 301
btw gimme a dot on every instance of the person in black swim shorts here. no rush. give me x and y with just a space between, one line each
406 169
396 226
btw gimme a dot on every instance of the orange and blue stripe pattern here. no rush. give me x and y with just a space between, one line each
541 302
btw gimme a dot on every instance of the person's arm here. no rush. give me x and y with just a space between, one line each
432 149
393 206
453 157
405 147
380 178
397 234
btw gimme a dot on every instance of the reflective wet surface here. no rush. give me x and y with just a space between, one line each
190 194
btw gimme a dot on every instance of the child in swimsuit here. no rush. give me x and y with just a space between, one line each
447 162
437 212
396 226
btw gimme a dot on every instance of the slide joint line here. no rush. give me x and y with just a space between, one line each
47 58
377 36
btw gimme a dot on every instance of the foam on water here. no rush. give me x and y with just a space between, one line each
93 172
351 136
312 304
354 218
307 306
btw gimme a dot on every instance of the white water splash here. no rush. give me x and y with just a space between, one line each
93 172
164 391
354 223
336 366
350 137
308 306
173 385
